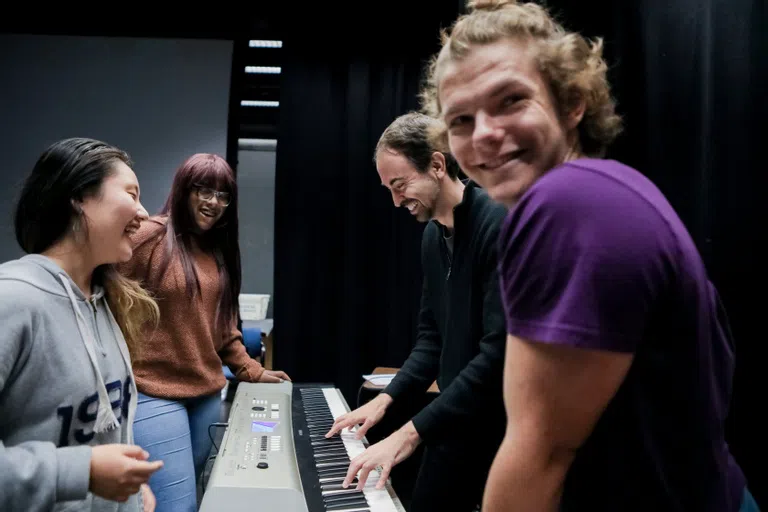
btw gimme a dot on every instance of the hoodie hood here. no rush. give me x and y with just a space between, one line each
43 273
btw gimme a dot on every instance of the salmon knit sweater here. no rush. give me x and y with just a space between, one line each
183 356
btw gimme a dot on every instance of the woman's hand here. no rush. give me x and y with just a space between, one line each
119 470
273 376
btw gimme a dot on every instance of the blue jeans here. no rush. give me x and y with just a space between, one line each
176 432
748 503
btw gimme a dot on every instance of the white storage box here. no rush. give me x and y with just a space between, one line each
253 306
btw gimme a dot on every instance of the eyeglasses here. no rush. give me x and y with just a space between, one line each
207 194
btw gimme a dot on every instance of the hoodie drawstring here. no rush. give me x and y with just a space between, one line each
105 418
134 394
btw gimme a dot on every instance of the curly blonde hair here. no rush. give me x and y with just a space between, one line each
573 67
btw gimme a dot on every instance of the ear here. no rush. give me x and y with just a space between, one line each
577 105
77 206
438 164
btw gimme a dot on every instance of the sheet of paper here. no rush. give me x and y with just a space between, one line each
381 379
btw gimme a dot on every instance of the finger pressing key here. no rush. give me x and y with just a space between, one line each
338 425
365 470
354 467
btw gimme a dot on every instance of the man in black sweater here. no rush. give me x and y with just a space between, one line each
461 333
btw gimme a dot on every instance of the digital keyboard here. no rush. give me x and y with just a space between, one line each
274 455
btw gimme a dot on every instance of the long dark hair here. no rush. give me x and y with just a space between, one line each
222 240
68 172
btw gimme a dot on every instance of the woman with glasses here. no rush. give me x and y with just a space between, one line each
188 257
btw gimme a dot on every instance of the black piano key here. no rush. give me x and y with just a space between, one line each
320 437
343 459
323 454
352 505
340 473
324 465
326 456
333 486
328 472
323 428
342 501
326 441
327 447
336 480
316 410
342 495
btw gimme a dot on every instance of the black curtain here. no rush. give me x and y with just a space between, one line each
691 78
347 262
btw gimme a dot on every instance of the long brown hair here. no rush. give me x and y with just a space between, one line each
222 240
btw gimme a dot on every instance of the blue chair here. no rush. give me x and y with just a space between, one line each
253 345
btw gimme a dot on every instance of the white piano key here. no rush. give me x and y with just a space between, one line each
380 500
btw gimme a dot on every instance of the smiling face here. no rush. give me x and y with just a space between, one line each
112 215
416 191
503 126
207 206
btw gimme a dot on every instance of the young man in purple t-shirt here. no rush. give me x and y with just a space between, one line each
619 359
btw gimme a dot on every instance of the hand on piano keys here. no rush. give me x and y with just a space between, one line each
333 454
365 416
385 454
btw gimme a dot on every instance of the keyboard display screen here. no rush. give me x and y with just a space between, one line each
263 426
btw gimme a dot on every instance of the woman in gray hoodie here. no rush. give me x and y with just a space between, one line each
69 326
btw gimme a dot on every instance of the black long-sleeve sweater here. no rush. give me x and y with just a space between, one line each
461 335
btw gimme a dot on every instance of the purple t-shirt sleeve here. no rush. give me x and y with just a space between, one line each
581 258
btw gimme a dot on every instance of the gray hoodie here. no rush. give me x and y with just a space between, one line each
65 385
